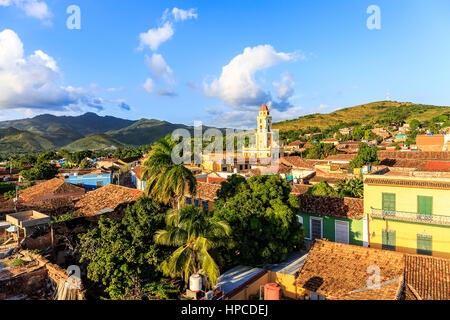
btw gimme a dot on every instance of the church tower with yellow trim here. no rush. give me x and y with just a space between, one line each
264 147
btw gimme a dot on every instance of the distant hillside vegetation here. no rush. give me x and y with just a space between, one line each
144 131
95 142
84 125
366 113
13 140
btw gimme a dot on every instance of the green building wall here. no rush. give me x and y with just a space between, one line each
328 223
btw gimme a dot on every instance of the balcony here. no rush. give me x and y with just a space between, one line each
411 217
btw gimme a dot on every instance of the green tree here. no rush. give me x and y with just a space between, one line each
358 133
84 164
322 189
121 253
263 218
366 155
165 179
321 151
414 124
41 171
196 235
47 156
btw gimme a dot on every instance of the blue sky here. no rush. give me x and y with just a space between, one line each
218 61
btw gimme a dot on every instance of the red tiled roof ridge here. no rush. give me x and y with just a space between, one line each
50 187
109 196
408 182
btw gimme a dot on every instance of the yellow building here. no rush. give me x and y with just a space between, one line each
409 213
265 146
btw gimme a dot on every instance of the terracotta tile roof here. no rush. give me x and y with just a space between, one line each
349 208
417 155
342 157
138 171
389 291
428 276
300 188
296 143
264 108
337 270
437 166
297 162
206 191
403 163
107 197
50 188
409 183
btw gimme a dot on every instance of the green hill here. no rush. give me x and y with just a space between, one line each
366 113
95 142
144 131
84 125
13 140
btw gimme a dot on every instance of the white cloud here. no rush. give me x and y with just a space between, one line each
237 119
158 66
326 107
32 8
153 38
181 15
237 86
286 86
120 89
34 81
149 85
290 113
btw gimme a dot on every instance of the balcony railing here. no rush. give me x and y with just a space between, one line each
411 217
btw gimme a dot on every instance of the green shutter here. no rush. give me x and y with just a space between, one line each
388 240
424 205
424 244
389 202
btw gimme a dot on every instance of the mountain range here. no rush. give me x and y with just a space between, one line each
94 132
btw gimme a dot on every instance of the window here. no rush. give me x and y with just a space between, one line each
388 203
388 240
188 200
316 228
196 202
99 184
341 229
425 206
424 244
205 204
300 219
316 296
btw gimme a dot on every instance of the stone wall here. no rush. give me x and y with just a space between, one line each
34 279
350 208
25 283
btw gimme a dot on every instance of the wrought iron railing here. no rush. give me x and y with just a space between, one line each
410 217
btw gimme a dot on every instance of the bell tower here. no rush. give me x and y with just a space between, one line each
264 130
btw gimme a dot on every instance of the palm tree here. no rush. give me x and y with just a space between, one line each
351 188
196 235
165 179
